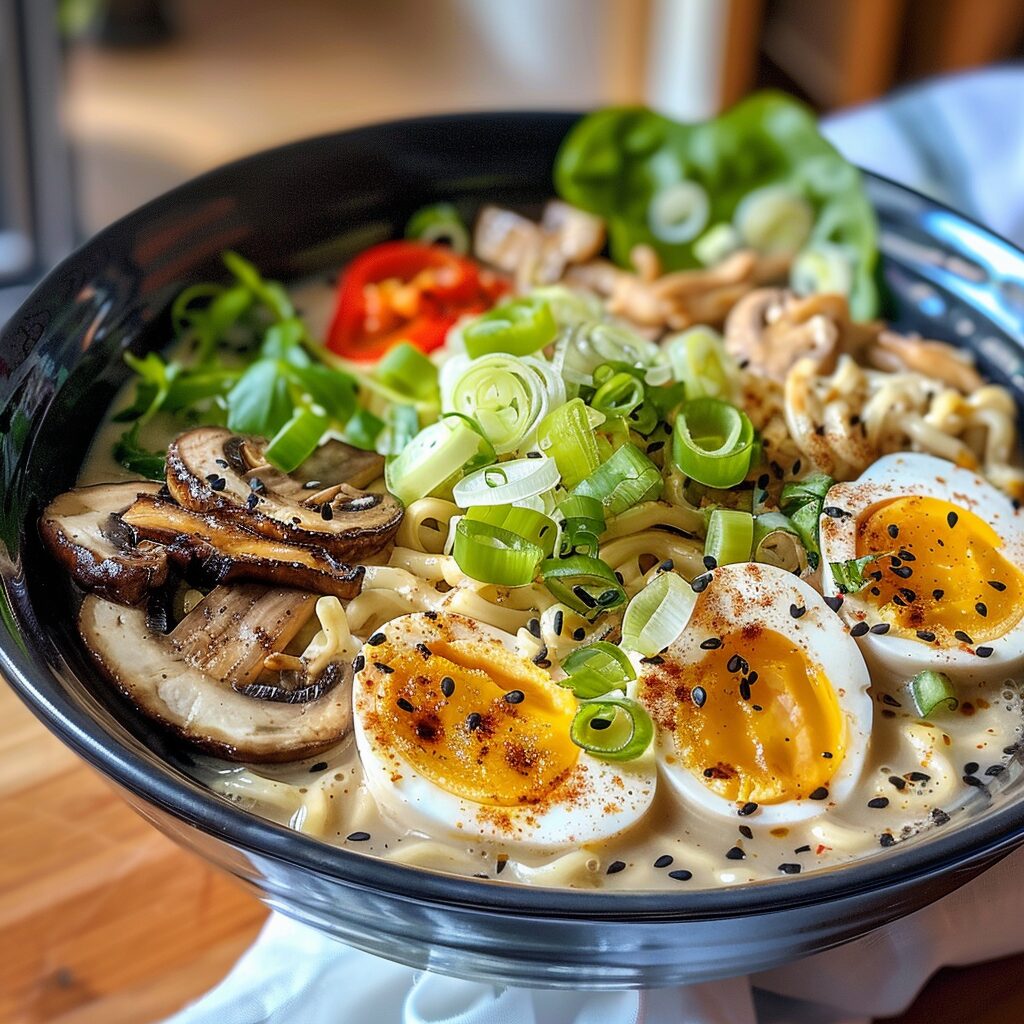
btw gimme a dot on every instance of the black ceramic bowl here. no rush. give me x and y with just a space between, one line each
303 209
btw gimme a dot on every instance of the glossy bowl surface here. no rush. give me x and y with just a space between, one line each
301 210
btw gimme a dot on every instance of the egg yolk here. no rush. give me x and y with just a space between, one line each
477 720
754 719
942 576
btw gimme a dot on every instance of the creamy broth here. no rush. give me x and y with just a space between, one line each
918 773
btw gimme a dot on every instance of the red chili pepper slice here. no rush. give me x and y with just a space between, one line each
406 291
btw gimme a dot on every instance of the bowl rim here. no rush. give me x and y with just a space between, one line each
139 771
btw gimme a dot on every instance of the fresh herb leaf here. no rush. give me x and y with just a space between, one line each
259 403
849 576
137 459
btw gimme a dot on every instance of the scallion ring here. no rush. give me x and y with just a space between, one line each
713 442
297 439
408 371
730 536
657 614
583 583
518 327
678 213
527 523
825 267
607 660
776 543
716 244
931 691
699 360
439 222
774 219
612 728
433 456
506 483
566 436
626 479
490 554
583 523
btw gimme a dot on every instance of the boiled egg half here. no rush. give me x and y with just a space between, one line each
946 588
761 704
458 733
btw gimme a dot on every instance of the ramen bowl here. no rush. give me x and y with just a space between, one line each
302 210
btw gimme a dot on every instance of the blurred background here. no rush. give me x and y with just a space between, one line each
106 103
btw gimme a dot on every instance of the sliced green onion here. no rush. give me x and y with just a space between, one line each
584 584
485 453
607 660
612 728
363 429
825 267
433 456
582 526
657 614
730 536
569 306
439 222
296 440
506 483
518 327
566 436
713 442
774 219
401 425
699 360
626 479
932 691
406 369
490 554
678 213
849 576
619 395
527 523
582 349
777 543
505 395
717 243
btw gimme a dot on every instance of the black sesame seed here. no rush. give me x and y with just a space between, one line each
447 686
763 480
381 667
667 566
699 696
320 766
711 644
926 635
875 591
827 754
996 585
972 780
709 773
222 463
326 512
918 777
790 869
533 626
430 615
802 849
357 837
820 430
424 650
747 809
655 446
584 596
971 767
981 609
500 866
833 512
880 628
404 704
700 583
210 477
598 724
903 571
256 484
796 610
940 817
745 689
579 634
893 530
710 562
616 866
859 629
557 621
473 721
938 594
951 519
908 594
654 659
878 803
746 832
664 860
540 659
252 501
796 467
735 854
886 839
534 455
515 697
358 663
996 769
734 664
835 603
821 793
983 652
219 484
376 640
681 875
752 678
964 638
888 698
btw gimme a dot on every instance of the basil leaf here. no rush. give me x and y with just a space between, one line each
259 403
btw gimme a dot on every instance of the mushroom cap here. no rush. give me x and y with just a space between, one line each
157 674
83 531
211 470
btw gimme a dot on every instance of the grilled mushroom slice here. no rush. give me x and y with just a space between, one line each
206 680
84 533
339 463
226 553
209 469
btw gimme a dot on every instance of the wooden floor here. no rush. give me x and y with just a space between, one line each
104 921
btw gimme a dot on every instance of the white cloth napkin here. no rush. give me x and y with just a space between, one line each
951 139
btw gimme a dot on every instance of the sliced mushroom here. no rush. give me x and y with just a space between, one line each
537 253
771 329
897 353
204 680
340 463
212 470
226 553
83 532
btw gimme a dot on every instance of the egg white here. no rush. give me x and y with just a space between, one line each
895 658
597 800
747 594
